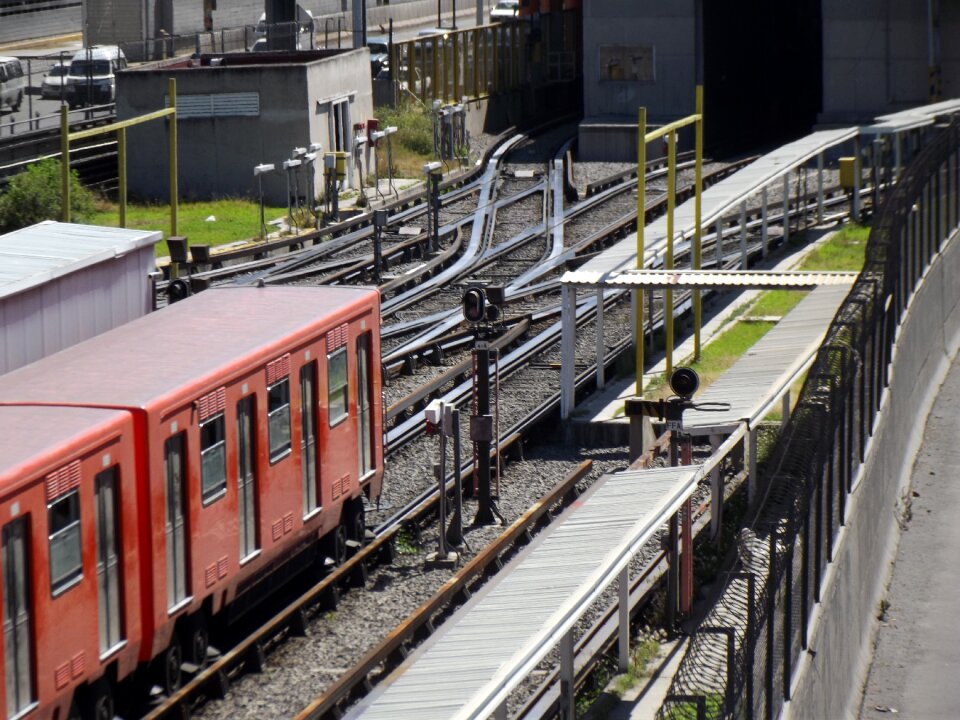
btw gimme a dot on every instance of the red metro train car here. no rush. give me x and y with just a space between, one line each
151 477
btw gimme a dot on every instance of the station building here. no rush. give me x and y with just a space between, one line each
239 110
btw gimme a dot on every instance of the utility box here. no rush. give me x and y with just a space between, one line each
847 172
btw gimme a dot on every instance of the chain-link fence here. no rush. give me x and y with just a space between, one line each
741 659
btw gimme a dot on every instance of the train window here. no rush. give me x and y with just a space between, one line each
213 457
66 564
337 397
278 416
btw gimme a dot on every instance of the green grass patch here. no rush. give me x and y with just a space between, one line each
235 220
775 303
845 250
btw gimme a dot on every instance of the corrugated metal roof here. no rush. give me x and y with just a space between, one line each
491 643
191 341
717 200
40 253
29 433
768 367
898 124
711 278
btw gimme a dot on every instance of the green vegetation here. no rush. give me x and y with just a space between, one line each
412 146
601 701
688 710
846 250
235 220
406 543
35 195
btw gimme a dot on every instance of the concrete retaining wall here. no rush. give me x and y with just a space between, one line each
828 682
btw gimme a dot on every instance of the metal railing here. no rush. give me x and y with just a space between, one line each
817 461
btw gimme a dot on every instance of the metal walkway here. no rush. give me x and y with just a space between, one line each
718 200
468 668
765 373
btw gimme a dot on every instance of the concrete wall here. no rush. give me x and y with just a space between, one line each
667 28
24 23
829 681
118 21
217 154
610 105
875 57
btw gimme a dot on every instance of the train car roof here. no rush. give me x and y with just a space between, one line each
35 440
188 344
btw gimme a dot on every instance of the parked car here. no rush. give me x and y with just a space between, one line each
55 80
505 10
379 54
92 77
13 85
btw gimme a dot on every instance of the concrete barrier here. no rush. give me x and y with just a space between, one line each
830 677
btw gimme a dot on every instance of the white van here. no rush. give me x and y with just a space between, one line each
92 77
13 85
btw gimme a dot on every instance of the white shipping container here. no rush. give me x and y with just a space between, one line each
61 283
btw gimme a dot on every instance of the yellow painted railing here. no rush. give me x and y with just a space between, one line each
66 137
668 131
474 63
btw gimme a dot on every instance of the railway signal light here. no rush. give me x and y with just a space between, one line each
684 382
177 290
475 305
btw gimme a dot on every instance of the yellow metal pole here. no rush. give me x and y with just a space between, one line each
668 261
641 216
172 130
412 73
476 63
122 162
436 69
456 67
697 230
445 67
65 163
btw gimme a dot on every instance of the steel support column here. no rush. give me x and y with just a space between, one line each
568 703
600 341
716 491
568 330
820 188
764 226
624 613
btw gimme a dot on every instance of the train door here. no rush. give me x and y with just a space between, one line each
17 641
308 439
108 560
246 475
339 451
174 468
364 406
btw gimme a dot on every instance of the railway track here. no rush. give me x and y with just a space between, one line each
537 361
